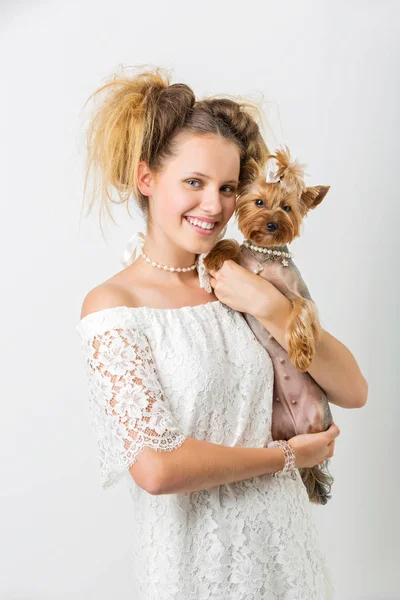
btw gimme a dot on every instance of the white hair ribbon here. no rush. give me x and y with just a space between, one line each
131 251
272 177
204 276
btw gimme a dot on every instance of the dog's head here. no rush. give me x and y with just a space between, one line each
270 210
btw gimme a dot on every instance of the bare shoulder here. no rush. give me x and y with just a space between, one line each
105 295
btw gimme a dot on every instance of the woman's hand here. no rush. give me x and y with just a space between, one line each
312 449
247 292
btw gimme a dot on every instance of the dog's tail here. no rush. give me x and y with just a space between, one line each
318 482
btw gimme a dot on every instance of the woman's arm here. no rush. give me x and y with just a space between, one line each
333 367
198 465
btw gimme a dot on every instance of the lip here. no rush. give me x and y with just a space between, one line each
202 219
200 229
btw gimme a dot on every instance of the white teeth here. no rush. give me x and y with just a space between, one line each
202 224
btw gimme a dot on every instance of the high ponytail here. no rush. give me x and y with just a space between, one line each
138 117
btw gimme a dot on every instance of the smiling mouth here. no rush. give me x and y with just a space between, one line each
200 225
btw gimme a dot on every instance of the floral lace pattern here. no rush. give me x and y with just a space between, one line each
127 404
157 376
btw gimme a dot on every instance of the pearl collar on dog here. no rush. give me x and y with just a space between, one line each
272 254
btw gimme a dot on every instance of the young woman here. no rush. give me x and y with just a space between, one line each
180 388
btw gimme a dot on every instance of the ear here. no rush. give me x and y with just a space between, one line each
144 178
314 195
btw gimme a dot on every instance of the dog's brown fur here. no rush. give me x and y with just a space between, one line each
270 215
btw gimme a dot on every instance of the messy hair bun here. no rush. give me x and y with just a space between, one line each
138 117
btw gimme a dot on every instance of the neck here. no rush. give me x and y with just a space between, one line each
275 247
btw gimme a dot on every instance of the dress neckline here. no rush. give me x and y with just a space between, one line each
149 308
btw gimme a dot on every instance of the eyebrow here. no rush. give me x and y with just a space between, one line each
208 177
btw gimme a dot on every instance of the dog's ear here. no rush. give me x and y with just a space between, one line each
254 170
314 195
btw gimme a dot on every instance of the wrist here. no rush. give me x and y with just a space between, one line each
288 450
277 460
276 322
271 305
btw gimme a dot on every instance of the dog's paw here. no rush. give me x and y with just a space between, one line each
214 260
222 251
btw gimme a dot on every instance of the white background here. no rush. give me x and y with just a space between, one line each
329 75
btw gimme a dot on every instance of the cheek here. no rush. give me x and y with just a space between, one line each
229 209
172 207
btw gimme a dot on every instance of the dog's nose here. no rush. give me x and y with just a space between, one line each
271 226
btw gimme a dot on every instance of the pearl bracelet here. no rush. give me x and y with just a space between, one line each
289 456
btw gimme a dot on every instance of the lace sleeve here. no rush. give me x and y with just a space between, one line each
128 408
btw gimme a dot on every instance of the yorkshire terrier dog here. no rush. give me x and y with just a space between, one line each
269 213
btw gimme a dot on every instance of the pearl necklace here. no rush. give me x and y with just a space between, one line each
272 255
164 267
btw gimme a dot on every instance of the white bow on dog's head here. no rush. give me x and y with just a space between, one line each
287 171
272 177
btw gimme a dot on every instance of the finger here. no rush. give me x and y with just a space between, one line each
333 431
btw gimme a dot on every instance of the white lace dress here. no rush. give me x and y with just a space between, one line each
157 376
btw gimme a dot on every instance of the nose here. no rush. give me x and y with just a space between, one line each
271 226
212 203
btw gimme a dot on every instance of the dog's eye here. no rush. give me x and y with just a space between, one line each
259 202
286 208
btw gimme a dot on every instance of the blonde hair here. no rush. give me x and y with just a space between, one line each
138 118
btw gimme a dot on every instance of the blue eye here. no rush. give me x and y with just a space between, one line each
230 188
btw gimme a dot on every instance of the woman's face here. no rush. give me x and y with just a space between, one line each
200 182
